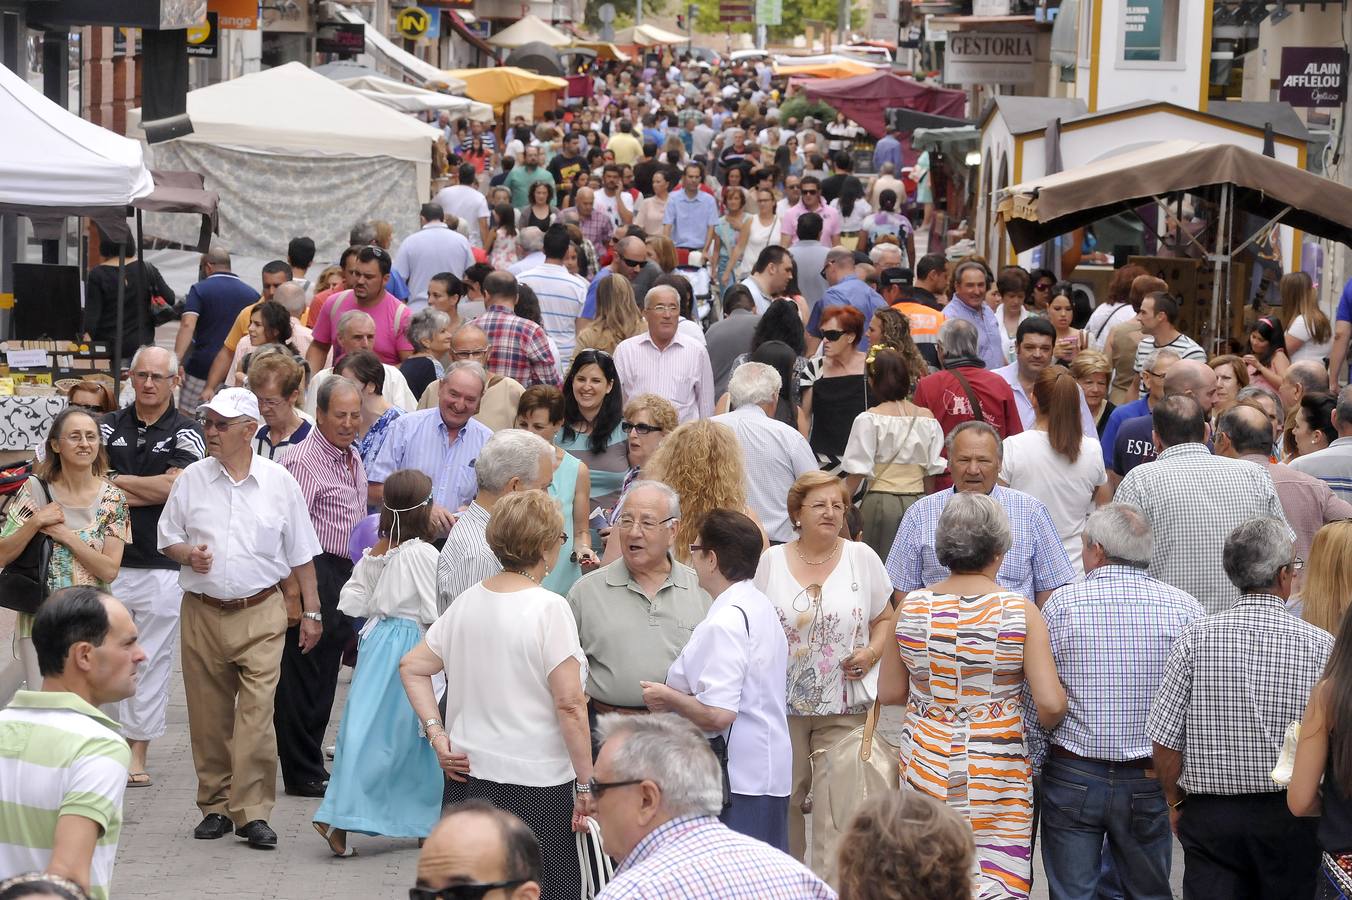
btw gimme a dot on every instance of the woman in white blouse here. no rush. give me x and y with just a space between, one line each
1308 332
730 679
832 596
516 730
385 779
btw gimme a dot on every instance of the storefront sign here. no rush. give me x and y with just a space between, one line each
988 58
204 39
1313 76
237 14
413 22
340 37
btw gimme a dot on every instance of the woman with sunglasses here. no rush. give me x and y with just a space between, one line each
516 730
648 419
592 412
68 499
832 597
834 388
91 396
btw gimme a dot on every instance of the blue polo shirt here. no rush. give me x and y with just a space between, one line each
989 345
1134 444
216 301
690 218
850 290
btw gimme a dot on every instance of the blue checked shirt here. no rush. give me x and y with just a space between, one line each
1111 635
420 440
700 858
1036 561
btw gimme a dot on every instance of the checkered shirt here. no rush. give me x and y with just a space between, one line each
518 348
596 228
1036 560
1193 501
700 858
1232 684
1111 635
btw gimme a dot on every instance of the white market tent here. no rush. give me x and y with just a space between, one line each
294 153
54 164
409 98
648 36
530 29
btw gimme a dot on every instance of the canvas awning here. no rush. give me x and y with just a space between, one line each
537 57
841 68
412 99
604 50
865 97
1039 210
530 29
501 85
648 36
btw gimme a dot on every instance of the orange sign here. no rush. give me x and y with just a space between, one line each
238 14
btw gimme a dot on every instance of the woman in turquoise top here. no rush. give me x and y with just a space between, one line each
591 431
540 410
726 232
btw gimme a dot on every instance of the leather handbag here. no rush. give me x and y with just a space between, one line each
597 869
23 583
860 765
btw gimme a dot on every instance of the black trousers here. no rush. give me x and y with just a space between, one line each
308 680
1246 847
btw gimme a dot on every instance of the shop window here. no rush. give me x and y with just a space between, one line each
1151 32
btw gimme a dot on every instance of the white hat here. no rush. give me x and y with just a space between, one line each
232 403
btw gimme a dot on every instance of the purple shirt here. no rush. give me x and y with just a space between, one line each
989 345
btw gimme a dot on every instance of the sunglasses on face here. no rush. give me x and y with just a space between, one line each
1046 286
641 428
833 334
811 191
633 263
463 891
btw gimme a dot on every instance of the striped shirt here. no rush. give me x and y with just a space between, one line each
420 440
59 756
700 858
334 484
465 558
562 296
679 372
1333 464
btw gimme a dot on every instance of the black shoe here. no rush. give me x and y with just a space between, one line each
307 789
212 826
258 834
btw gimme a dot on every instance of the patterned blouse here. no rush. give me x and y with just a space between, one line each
374 439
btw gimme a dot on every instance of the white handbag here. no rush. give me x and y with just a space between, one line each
1286 762
597 869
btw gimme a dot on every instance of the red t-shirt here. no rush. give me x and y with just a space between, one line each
942 394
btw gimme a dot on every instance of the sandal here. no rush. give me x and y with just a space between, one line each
139 779
337 839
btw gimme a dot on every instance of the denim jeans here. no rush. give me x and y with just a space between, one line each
1082 803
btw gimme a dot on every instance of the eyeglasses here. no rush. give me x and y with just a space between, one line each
470 354
664 309
270 402
810 191
377 252
633 263
1043 286
1297 564
600 787
628 522
563 537
697 548
152 377
832 334
473 891
87 407
640 427
214 424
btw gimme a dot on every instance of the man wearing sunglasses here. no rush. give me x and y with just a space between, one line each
477 850
812 202
845 289
631 261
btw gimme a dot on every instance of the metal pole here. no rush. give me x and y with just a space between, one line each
117 336
1216 265
638 12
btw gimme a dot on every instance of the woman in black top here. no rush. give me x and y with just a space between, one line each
100 312
538 213
834 387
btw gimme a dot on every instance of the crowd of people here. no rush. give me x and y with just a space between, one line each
637 479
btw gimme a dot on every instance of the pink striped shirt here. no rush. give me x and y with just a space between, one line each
680 372
333 482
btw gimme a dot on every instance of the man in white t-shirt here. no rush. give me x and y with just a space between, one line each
466 202
612 199
1158 315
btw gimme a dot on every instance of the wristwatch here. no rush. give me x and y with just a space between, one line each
313 616
424 725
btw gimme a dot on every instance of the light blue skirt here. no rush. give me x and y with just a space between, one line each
385 779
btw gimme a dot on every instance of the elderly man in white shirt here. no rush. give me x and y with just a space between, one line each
429 251
731 679
239 526
774 454
666 362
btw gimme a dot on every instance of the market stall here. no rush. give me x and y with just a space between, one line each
530 29
864 98
500 85
648 36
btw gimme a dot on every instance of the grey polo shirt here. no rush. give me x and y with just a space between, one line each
627 637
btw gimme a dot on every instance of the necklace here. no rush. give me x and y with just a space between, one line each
798 548
525 575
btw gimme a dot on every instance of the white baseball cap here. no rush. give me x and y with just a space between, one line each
232 403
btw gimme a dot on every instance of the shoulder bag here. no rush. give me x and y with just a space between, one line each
860 765
977 414
23 583
597 869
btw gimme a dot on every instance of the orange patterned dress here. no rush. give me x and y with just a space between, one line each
963 739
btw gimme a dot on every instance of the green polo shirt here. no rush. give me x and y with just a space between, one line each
629 638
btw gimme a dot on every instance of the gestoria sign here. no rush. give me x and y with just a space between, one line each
973 57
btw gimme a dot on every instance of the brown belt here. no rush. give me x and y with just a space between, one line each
235 605
1143 763
602 708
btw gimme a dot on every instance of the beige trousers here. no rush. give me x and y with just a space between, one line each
231 663
807 734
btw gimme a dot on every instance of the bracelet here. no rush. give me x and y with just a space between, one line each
1179 803
581 787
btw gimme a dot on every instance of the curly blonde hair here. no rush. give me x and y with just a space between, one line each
702 462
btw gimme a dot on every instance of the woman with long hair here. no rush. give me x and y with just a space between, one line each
385 779
1308 332
1267 359
592 413
782 323
758 232
661 251
702 462
1326 591
726 232
1061 313
1056 461
891 329
788 161
503 250
653 210
269 323
68 499
887 221
616 318
540 211
853 209
896 446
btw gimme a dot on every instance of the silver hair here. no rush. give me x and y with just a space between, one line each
424 325
292 296
1122 531
972 531
973 425
879 250
669 751
1257 391
1256 552
958 338
531 239
353 315
664 288
173 357
753 382
666 490
362 233
1164 353
510 453
334 384
475 369
971 264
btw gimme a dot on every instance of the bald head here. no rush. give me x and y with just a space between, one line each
1194 379
476 843
291 295
1245 430
218 258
